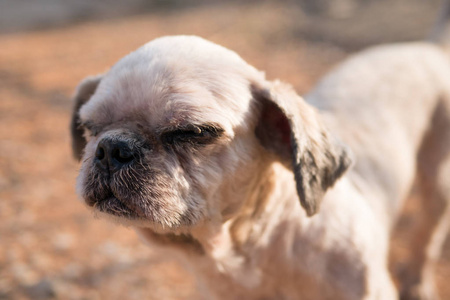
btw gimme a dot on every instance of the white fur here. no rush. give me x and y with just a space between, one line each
257 239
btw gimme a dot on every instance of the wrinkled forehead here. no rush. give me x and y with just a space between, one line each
166 92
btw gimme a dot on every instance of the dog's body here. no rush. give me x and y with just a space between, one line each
188 140
391 105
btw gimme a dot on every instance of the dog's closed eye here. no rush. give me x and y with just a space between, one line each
192 134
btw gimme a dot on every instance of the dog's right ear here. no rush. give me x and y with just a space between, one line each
293 130
83 93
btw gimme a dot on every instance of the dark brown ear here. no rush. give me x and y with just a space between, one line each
83 93
292 129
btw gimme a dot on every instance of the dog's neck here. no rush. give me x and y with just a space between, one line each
234 245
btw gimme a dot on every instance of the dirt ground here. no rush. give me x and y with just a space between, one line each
51 247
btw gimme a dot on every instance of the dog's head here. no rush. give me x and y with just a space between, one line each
181 130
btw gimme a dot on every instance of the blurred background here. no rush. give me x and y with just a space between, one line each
51 247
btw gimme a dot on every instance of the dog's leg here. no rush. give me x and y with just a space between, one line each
425 246
431 230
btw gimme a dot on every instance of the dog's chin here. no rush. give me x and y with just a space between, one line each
115 207
124 221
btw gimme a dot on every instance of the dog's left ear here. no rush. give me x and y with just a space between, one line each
293 130
83 93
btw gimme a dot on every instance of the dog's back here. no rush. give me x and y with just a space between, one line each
381 103
391 105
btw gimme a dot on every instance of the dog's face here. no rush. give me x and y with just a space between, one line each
181 131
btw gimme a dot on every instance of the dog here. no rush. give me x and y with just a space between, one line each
271 195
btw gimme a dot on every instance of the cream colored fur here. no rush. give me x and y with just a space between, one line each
231 209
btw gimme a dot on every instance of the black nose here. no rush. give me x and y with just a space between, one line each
112 155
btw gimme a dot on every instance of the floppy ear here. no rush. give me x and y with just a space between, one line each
83 93
292 129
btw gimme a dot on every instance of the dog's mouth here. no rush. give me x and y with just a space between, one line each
114 206
139 194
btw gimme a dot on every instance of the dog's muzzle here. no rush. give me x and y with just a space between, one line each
108 189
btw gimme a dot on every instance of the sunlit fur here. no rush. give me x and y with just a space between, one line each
231 206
